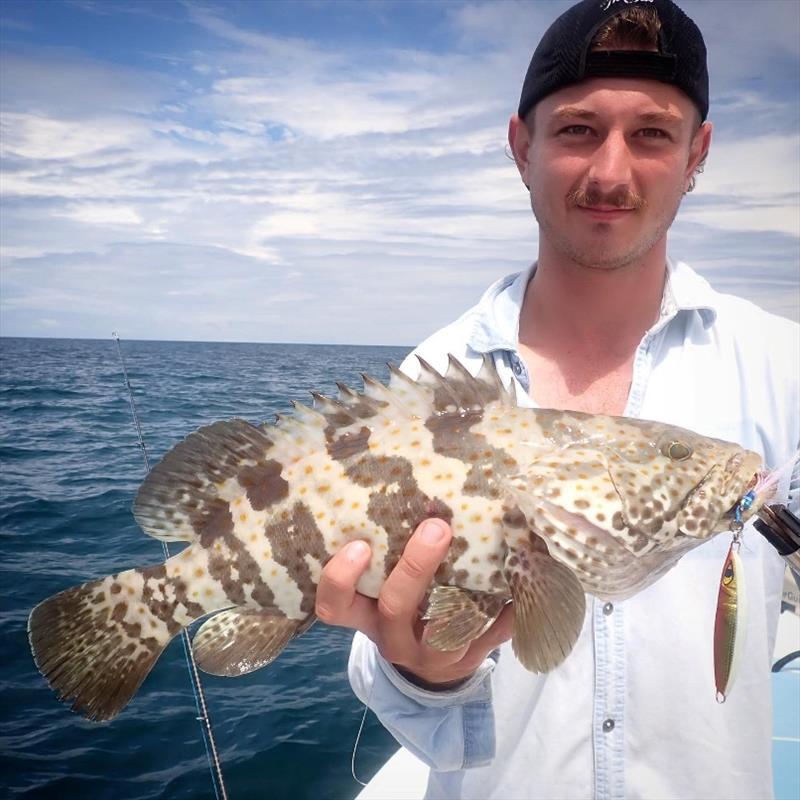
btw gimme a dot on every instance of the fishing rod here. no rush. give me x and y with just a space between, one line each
781 528
212 755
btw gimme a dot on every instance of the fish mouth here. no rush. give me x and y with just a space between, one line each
761 487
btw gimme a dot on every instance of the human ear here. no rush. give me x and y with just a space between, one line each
519 140
698 151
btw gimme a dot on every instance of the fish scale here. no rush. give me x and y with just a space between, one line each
544 505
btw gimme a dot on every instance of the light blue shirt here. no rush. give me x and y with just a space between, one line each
631 713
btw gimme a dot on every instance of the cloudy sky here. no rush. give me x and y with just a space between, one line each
331 171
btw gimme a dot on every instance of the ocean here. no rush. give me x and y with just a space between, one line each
70 467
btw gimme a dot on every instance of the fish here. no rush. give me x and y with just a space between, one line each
545 506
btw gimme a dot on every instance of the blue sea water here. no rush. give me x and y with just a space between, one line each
70 469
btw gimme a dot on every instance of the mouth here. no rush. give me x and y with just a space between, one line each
605 213
759 489
765 485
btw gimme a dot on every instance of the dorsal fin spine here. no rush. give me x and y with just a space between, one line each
308 415
470 390
376 391
430 376
489 375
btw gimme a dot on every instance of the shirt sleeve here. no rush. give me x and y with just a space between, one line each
448 730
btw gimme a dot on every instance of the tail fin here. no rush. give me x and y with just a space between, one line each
96 643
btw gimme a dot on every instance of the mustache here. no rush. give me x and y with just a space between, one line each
621 197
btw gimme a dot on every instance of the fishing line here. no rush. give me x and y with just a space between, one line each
360 729
197 687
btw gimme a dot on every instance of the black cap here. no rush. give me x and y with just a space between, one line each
563 56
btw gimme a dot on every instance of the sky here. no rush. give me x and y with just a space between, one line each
332 171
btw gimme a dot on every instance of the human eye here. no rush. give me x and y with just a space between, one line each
653 133
576 130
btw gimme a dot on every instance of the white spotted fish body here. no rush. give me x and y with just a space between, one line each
545 506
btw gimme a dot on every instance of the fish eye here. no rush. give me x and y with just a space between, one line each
676 451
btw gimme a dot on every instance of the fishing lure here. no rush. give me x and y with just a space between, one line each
729 625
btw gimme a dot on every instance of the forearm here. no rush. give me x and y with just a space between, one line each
448 730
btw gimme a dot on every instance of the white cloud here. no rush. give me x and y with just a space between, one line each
34 136
751 184
269 187
761 167
101 214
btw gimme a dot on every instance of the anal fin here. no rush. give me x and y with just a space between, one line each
242 640
549 605
457 616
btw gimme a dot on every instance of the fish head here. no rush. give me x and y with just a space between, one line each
673 480
637 481
619 501
720 476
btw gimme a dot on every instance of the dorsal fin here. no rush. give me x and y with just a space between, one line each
468 389
376 391
492 386
416 397
458 389
345 391
308 415
180 493
359 405
444 398
335 412
187 493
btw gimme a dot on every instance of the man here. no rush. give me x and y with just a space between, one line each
610 133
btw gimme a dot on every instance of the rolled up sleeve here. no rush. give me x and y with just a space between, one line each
448 730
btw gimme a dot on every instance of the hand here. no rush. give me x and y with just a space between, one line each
392 622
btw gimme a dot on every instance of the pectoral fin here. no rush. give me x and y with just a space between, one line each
549 605
239 641
457 616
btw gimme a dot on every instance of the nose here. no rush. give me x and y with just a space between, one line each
611 163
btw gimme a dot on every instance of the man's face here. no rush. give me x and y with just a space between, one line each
607 162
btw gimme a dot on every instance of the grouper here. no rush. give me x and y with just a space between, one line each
545 506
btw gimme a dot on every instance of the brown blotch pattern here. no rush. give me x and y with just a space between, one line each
514 518
446 573
217 528
291 541
263 484
204 459
453 438
349 444
164 608
398 513
212 522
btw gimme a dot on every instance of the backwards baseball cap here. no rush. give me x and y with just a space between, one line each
564 54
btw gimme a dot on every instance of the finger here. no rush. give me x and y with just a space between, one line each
337 601
408 583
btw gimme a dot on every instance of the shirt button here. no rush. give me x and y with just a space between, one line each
517 367
608 608
608 725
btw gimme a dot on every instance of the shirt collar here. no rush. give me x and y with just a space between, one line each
495 319
688 291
